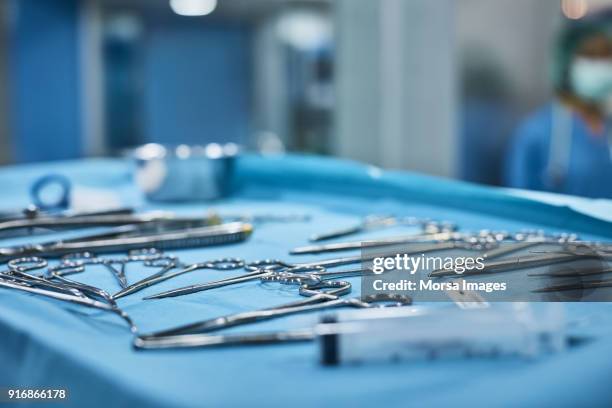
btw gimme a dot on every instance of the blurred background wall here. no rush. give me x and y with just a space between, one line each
435 86
504 60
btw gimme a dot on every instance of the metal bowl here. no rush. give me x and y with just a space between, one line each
185 173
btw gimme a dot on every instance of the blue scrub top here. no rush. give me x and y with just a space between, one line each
588 165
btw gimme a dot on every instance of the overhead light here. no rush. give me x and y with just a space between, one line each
304 30
193 7
574 9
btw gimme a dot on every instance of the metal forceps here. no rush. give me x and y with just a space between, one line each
144 255
257 270
20 271
507 265
320 296
128 237
20 267
165 263
223 264
315 276
80 260
17 277
60 271
576 286
89 258
267 267
261 269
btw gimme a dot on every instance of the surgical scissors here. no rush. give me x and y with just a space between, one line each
321 295
224 264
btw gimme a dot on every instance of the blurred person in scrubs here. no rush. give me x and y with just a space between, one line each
566 147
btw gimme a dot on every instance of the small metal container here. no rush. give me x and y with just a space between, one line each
185 173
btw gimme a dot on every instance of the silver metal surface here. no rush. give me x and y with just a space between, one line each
185 173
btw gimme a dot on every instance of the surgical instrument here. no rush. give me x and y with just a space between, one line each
60 271
322 295
107 218
483 239
166 264
254 218
576 286
40 205
63 199
17 278
513 264
224 264
136 255
407 333
258 269
75 263
83 301
372 222
572 273
32 220
364 244
263 268
89 258
125 239
19 267
316 275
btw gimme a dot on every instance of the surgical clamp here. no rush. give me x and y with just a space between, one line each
263 268
18 278
224 264
321 295
104 219
124 239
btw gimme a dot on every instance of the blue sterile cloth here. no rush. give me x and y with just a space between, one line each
46 343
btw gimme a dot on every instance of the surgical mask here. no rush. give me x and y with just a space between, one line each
591 78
